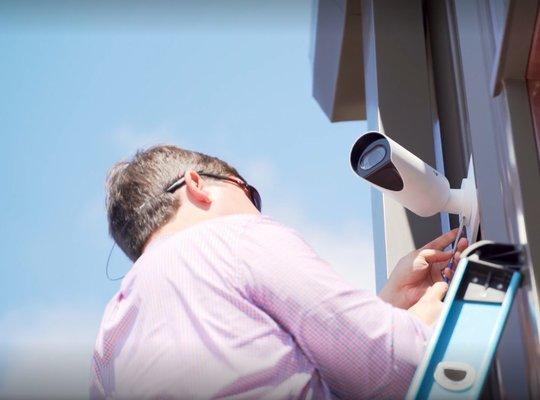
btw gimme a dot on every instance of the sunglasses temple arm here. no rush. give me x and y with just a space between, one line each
175 185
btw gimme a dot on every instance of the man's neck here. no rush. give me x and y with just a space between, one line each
185 219
225 200
179 222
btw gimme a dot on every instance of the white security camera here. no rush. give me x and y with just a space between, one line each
405 178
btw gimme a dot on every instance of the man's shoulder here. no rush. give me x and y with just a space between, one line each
227 224
215 235
222 238
269 236
230 227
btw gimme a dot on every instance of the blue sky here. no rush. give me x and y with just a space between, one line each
84 88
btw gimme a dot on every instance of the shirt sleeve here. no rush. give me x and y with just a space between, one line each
361 346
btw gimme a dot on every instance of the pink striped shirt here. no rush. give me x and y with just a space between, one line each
241 307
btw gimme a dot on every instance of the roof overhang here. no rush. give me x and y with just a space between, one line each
338 69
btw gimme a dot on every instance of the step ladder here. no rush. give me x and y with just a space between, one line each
460 353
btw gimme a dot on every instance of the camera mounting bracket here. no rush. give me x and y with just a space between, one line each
464 202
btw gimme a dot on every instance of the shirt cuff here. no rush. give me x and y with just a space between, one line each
410 339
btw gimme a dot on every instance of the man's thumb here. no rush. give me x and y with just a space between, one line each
437 291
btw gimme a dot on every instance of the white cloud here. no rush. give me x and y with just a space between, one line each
46 353
263 172
348 250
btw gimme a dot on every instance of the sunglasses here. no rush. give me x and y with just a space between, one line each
252 193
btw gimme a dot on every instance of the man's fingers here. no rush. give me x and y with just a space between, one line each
436 292
434 256
442 241
462 244
456 258
448 273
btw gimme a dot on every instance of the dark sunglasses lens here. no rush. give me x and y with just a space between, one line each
255 197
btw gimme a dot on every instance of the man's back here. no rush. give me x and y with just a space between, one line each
182 326
240 306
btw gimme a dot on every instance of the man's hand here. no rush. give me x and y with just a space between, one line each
430 305
419 270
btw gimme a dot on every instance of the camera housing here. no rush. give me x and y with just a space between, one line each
407 179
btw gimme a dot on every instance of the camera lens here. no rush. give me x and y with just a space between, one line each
371 158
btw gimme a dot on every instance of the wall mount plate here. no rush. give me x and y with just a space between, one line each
472 216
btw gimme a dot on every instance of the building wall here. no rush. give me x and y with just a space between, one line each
447 80
471 34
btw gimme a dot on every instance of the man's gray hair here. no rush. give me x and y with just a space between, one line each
137 204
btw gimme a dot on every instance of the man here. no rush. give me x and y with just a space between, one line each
223 302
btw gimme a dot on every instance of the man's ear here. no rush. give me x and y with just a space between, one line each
196 188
